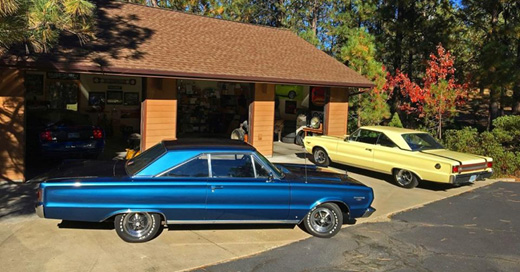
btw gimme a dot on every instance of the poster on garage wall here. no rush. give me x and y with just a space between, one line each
289 100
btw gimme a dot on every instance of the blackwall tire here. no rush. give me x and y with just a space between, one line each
406 179
300 136
320 156
137 227
323 221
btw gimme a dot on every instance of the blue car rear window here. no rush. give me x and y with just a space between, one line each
138 163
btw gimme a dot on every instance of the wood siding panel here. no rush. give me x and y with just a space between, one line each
12 125
262 119
336 112
159 112
157 127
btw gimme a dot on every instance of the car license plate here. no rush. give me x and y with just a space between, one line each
473 178
73 135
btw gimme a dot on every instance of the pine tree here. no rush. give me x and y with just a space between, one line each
37 24
359 54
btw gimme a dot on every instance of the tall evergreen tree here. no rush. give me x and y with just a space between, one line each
37 24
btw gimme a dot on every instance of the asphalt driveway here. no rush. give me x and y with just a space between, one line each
476 231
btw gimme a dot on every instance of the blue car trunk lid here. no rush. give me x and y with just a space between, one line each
83 169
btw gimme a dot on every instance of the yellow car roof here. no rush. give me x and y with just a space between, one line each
394 134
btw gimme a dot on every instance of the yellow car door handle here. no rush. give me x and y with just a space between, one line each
368 149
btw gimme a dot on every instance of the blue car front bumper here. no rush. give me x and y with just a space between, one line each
369 212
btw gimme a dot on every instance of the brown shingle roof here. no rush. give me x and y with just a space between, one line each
135 39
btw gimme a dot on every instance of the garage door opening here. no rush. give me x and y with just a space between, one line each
210 109
73 116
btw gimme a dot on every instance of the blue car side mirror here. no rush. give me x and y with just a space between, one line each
270 177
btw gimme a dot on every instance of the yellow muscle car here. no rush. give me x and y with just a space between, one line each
408 155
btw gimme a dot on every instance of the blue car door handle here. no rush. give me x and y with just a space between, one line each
214 187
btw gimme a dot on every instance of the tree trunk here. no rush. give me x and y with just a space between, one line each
501 103
279 13
516 88
493 105
399 35
493 108
410 64
359 111
439 129
315 14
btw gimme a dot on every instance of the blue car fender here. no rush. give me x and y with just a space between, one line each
123 211
341 204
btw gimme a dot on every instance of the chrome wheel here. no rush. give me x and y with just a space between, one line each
404 177
137 224
320 156
322 220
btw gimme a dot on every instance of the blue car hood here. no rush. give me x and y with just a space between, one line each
314 174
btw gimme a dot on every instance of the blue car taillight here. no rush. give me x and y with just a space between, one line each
46 136
97 133
40 195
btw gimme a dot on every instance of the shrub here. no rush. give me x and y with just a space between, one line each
501 144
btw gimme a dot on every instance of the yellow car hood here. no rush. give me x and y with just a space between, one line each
465 158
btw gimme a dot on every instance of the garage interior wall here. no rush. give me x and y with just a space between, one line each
336 112
12 119
159 112
89 85
262 118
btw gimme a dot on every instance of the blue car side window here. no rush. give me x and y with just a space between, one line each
194 168
232 166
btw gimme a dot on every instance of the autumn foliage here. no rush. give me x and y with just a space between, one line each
439 95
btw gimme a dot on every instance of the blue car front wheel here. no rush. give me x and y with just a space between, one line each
323 221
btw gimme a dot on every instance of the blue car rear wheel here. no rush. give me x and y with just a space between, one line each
137 227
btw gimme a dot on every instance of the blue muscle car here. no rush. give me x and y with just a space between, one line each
201 182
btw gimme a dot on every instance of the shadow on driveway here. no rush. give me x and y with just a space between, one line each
17 199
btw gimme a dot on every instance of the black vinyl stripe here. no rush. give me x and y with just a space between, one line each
441 156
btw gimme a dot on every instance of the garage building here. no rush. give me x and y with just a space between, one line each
169 74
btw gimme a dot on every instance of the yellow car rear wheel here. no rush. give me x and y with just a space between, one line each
320 157
405 178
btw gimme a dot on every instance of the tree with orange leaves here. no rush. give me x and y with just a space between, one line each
437 100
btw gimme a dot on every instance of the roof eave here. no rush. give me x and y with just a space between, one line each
78 68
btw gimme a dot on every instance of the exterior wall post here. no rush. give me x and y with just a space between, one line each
12 125
261 119
159 112
336 112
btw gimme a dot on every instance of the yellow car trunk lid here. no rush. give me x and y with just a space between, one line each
465 158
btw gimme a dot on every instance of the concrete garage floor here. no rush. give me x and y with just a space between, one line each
28 243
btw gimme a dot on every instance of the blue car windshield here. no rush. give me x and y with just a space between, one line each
133 166
421 141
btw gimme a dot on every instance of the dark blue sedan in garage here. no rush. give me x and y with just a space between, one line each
201 182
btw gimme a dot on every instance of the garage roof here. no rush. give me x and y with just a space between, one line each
139 40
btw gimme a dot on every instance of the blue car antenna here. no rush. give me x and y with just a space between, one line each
305 162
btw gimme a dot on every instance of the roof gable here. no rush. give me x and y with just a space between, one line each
140 40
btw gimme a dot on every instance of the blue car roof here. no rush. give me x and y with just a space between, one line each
205 144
